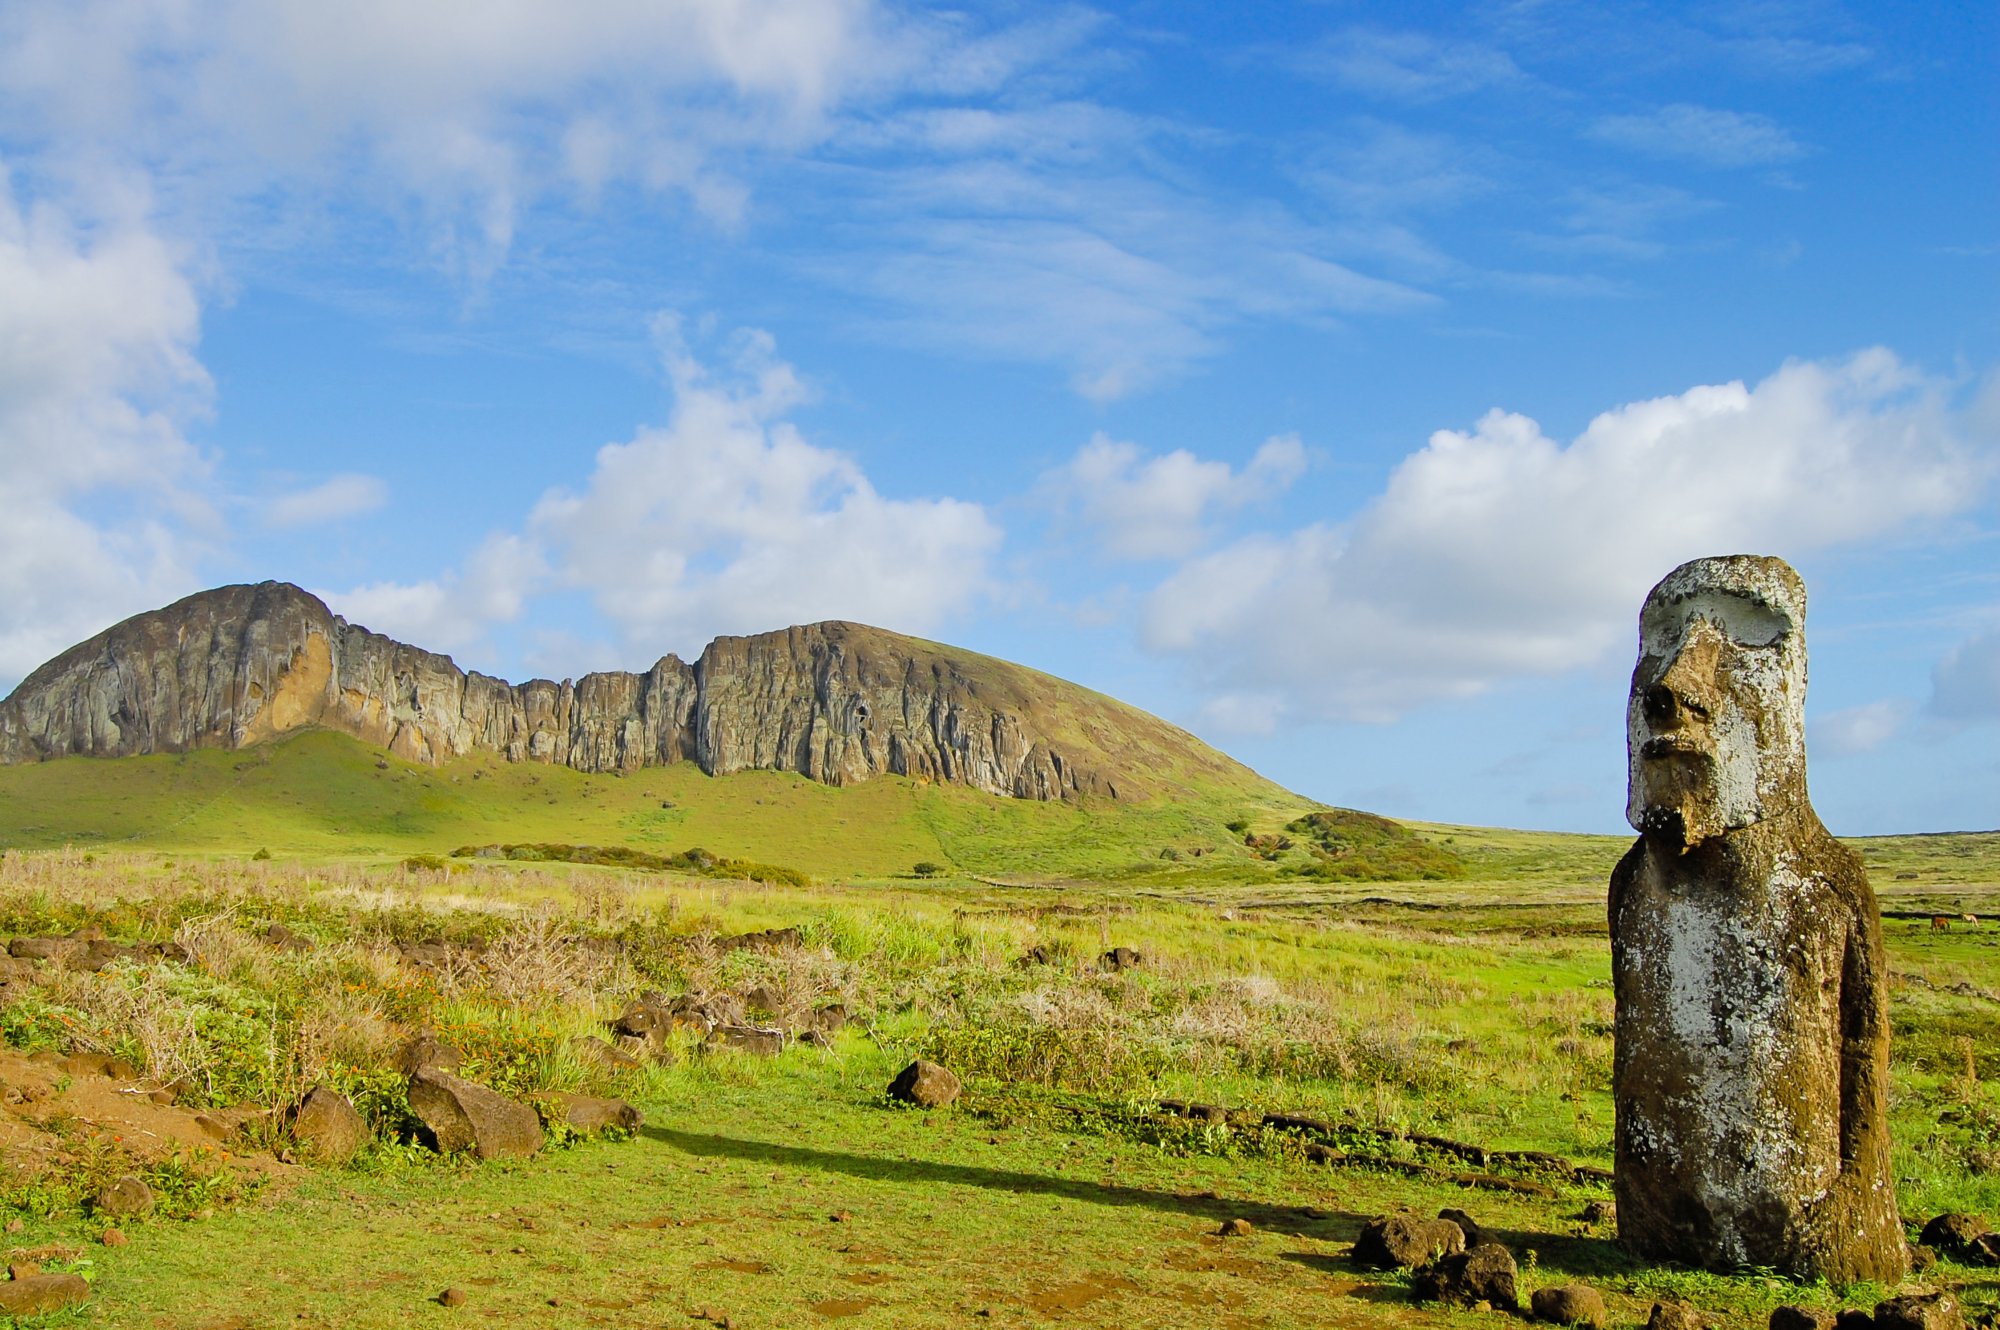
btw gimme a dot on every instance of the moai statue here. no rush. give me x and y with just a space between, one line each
1752 1065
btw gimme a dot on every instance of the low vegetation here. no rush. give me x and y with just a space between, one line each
1470 1006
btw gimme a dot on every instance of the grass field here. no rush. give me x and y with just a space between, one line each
787 1191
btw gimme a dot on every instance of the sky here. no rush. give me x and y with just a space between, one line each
1331 379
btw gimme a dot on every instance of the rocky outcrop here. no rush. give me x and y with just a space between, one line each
838 702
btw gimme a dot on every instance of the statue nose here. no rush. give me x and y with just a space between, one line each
1687 685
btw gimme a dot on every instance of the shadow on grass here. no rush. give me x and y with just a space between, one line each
1334 1225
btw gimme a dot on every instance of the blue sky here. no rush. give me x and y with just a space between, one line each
1332 379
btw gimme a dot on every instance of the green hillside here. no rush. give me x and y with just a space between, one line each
323 794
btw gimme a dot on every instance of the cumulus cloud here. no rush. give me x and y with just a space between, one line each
1965 685
332 500
101 491
1862 729
1158 507
728 520
724 520
1701 134
456 610
1497 553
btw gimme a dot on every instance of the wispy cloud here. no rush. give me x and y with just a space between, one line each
1701 134
1405 65
332 500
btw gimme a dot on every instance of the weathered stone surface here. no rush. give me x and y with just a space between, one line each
591 1115
125 1198
1483 1274
764 1041
326 1125
1570 1304
425 1050
1404 1241
1675 1316
1474 1233
1752 1029
38 1295
1919 1311
1119 958
838 702
1802 1318
1953 1234
925 1084
460 1115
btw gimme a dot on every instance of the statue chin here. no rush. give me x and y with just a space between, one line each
1679 809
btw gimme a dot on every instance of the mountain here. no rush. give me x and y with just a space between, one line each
836 702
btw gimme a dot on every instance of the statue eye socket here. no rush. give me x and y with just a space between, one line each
1743 621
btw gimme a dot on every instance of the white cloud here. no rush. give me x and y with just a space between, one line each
1499 553
1966 683
1701 134
1407 66
101 492
332 500
454 611
727 520
1158 507
1862 729
474 109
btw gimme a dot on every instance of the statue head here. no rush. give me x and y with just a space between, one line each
1716 721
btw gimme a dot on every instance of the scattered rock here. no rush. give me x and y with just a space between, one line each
1118 958
1474 1234
22 1269
1601 1212
925 1084
284 939
37 1295
459 1115
424 1050
1484 1274
452 1297
769 939
764 1041
591 1115
115 1237
1403 1241
1236 1228
1919 1311
1853 1318
1953 1235
1035 955
765 999
828 1018
42 948
99 1064
127 1198
1570 1304
326 1126
1985 1250
1675 1316
603 1055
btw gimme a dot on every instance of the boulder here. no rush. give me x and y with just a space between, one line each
1801 1319
326 1126
38 1295
603 1055
591 1115
1919 1311
1952 1235
459 1115
1570 1304
125 1198
1474 1234
925 1084
1404 1241
1118 958
761 1040
1483 1274
1675 1316
425 1051
1853 1318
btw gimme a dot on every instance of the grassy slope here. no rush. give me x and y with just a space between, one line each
319 793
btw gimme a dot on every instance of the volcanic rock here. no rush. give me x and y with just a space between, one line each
459 1115
925 1084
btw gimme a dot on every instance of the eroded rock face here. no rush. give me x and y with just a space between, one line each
838 702
1752 1031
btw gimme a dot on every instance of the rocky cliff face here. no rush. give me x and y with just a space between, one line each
838 702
